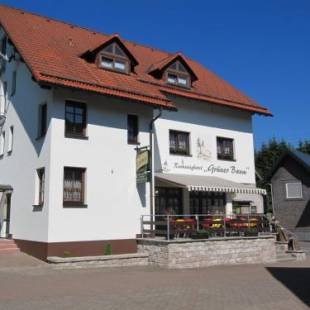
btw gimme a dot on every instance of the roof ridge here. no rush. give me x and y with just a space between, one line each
87 29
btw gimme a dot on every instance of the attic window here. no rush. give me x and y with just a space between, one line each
176 74
112 57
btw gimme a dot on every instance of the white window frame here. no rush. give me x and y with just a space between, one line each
10 139
2 143
286 190
38 189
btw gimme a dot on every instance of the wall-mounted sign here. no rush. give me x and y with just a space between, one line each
210 169
142 165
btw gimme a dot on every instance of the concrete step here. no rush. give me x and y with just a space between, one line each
7 246
286 259
9 250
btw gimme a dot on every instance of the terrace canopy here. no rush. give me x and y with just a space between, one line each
207 184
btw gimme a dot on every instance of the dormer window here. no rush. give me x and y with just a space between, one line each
112 57
177 75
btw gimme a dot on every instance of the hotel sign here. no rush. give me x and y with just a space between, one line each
142 165
209 169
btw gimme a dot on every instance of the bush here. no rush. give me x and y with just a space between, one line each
251 232
107 249
66 254
201 234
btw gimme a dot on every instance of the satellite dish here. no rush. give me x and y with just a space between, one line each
2 120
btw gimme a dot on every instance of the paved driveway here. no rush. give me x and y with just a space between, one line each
33 285
305 245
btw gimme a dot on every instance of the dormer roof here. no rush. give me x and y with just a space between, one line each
91 53
159 67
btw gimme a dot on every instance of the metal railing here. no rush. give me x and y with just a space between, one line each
203 226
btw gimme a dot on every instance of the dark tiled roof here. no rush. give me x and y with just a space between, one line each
52 50
302 158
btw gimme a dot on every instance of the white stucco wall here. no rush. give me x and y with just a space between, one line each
114 201
205 122
18 168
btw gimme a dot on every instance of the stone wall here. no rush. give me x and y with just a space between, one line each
121 260
209 252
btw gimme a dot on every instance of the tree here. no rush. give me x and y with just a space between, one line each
304 146
266 157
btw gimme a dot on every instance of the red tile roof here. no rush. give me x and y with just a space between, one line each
52 51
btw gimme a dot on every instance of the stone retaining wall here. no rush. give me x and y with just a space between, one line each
209 252
121 260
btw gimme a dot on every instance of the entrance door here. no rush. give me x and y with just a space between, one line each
5 216
8 215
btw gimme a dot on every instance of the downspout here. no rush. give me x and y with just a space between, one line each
271 194
152 175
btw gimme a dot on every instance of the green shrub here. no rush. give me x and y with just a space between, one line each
107 249
201 234
251 232
66 254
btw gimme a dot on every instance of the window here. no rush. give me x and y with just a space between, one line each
75 118
179 142
41 185
3 46
225 148
168 200
42 125
112 57
5 91
13 90
132 129
2 143
207 203
10 140
2 99
178 75
74 186
294 190
3 51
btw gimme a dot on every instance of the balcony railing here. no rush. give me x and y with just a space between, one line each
203 226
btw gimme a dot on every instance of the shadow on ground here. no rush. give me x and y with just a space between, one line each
297 280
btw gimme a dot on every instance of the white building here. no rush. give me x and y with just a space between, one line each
76 104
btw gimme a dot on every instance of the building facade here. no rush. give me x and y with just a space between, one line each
77 105
290 180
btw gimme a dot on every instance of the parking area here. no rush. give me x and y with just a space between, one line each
27 283
305 245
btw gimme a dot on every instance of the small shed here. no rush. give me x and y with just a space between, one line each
290 180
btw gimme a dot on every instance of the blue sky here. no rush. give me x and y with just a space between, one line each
261 47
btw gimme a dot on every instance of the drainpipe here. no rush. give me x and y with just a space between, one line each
152 176
271 192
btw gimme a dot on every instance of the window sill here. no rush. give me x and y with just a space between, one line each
181 154
227 159
294 199
133 143
73 136
74 205
40 205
